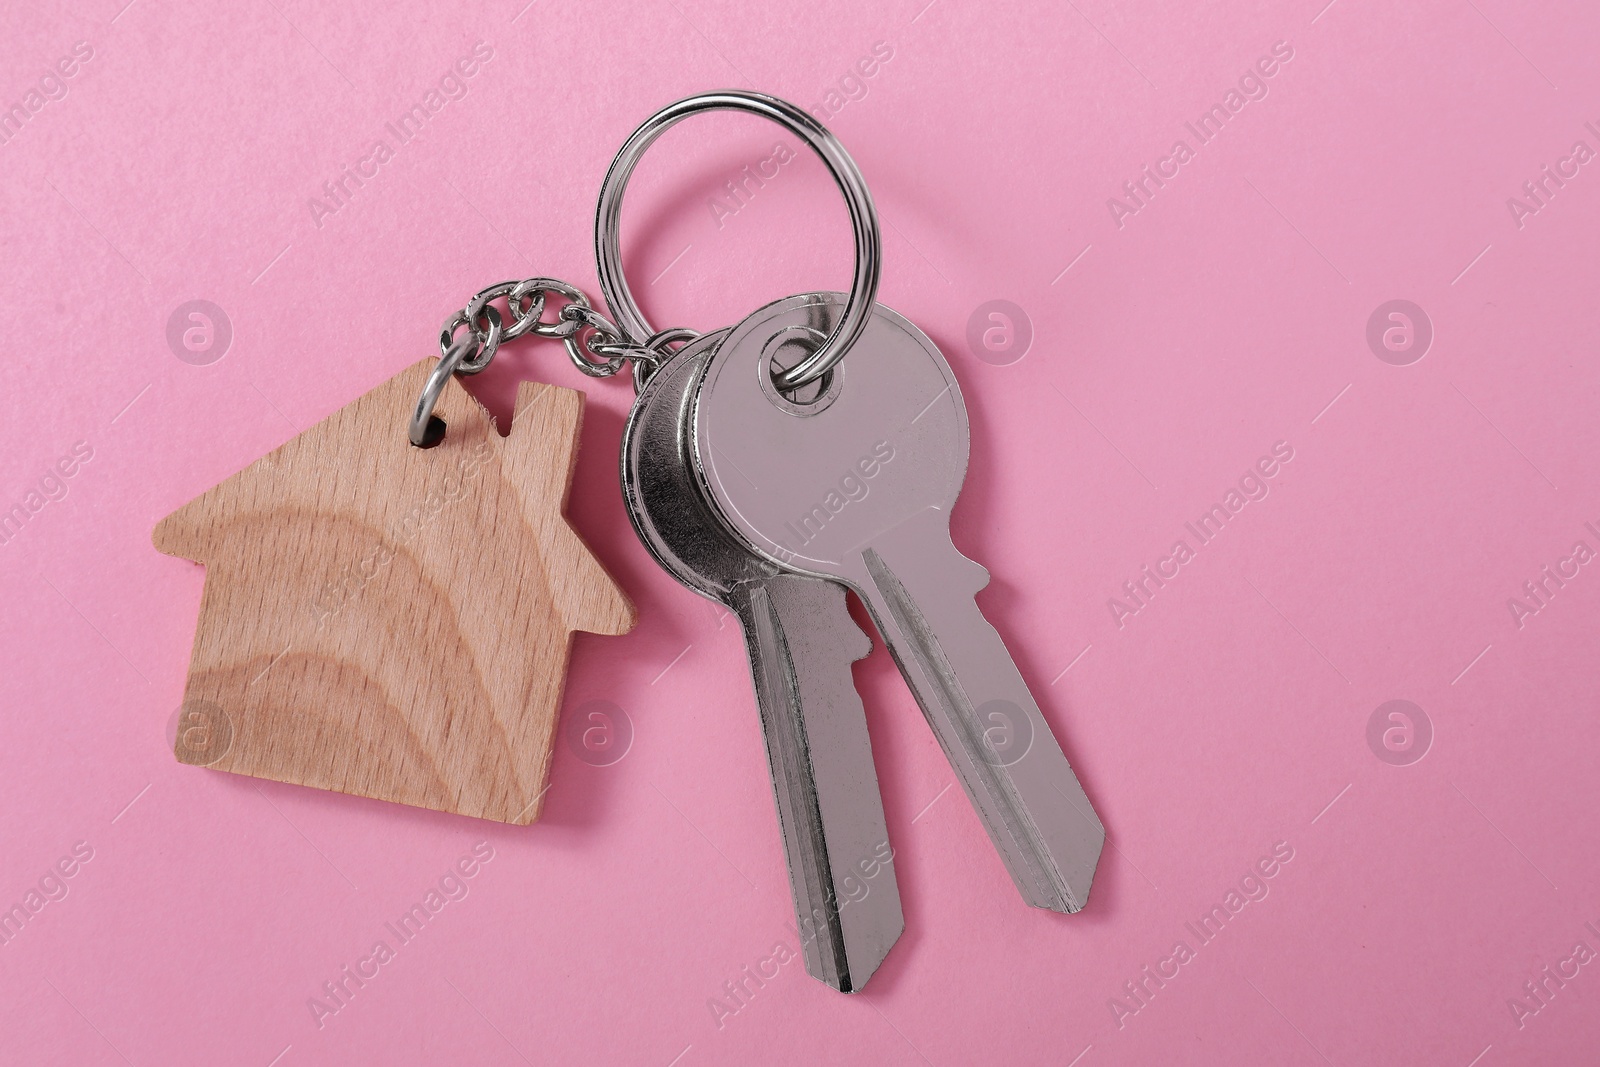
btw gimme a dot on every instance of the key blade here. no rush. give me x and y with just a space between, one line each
847 901
974 697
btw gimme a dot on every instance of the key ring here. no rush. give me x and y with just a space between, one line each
424 430
863 220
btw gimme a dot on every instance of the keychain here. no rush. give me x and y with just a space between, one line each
759 467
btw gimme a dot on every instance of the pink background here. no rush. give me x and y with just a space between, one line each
1230 714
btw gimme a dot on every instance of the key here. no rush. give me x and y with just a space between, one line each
857 485
801 642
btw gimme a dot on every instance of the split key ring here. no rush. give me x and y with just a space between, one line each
863 220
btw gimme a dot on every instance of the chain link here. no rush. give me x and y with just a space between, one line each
595 344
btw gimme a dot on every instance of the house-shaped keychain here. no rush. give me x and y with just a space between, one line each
392 621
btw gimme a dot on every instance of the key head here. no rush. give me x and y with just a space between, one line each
804 484
663 503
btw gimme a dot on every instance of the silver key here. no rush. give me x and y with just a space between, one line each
801 642
857 486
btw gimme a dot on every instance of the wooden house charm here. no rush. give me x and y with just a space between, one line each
390 621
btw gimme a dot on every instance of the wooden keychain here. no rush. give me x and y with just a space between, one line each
389 614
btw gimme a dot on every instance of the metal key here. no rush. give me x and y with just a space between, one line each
801 642
857 486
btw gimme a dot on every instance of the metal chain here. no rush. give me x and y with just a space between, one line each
595 344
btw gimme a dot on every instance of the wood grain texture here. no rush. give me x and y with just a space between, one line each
389 621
